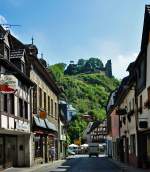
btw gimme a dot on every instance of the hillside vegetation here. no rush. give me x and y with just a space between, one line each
87 92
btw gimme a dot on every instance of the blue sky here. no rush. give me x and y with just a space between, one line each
65 30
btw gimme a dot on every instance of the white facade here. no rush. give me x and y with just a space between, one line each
15 126
71 111
129 128
145 115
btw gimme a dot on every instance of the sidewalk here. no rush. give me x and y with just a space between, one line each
50 165
125 167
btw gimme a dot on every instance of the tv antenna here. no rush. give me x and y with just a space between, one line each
8 26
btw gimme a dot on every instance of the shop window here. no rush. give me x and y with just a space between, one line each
45 101
5 103
55 110
38 146
26 110
52 107
12 103
132 143
20 107
48 105
40 97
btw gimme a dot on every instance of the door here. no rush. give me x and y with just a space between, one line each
126 150
10 151
1 152
120 149
46 150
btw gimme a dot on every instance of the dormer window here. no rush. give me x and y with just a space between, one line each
6 52
22 67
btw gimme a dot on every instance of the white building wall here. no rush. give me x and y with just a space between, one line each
145 116
23 135
129 127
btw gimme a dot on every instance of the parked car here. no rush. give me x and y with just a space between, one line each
70 152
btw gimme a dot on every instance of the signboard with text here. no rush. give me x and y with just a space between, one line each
23 126
7 84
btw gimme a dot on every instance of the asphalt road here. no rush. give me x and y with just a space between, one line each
85 164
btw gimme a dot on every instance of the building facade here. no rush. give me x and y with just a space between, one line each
113 128
142 67
15 116
133 104
45 110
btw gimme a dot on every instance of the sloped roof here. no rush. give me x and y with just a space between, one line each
94 125
146 28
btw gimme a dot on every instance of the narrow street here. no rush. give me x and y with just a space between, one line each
93 164
83 163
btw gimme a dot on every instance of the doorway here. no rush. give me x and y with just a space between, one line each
1 152
10 159
126 145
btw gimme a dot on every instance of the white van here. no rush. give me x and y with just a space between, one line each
93 149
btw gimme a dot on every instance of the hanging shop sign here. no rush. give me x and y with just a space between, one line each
42 114
7 84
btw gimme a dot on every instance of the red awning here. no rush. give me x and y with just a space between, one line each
6 89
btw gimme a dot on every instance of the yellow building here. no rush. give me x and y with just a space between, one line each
44 107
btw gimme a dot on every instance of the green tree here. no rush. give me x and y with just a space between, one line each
87 92
81 62
58 70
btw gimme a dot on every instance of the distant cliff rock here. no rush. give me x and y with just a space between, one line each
108 69
92 65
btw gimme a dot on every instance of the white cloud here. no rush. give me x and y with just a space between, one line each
2 20
121 58
120 64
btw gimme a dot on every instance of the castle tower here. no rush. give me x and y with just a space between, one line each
108 69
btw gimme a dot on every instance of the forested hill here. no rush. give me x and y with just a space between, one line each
87 92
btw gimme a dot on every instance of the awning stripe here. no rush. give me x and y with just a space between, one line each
44 123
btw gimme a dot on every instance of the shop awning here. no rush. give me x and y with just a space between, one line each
39 122
50 125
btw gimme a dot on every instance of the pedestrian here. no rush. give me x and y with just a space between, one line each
52 153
